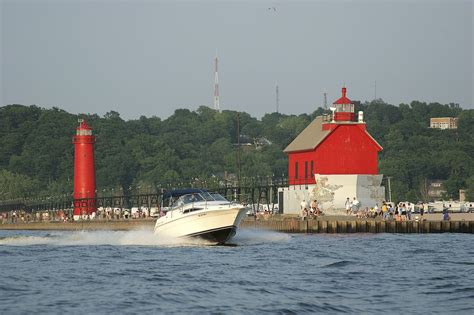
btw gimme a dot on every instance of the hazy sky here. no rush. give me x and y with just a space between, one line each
152 57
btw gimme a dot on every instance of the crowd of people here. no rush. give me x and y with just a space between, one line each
26 217
21 216
403 211
310 211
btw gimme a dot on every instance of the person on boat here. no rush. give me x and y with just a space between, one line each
187 199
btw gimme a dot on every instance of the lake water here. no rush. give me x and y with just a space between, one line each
266 272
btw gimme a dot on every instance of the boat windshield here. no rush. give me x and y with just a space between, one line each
218 197
207 196
197 197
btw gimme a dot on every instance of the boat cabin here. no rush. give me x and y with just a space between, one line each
179 198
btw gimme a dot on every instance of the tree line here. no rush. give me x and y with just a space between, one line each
37 154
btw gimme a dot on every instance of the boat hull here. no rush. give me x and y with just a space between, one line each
219 235
216 226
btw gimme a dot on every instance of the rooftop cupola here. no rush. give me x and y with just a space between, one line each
83 129
344 108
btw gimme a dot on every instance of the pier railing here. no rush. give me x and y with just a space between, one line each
251 190
255 191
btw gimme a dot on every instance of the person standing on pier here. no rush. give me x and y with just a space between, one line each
384 210
304 209
314 206
348 206
355 205
303 205
446 216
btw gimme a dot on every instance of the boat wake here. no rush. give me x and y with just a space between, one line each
98 238
135 238
255 237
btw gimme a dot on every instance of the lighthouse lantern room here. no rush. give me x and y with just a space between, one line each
344 108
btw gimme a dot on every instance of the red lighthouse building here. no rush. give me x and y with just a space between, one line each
332 159
337 145
84 172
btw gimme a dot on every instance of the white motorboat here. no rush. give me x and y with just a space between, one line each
199 213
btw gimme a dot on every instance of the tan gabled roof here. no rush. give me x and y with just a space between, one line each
373 139
309 138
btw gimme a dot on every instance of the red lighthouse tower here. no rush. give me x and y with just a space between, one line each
84 171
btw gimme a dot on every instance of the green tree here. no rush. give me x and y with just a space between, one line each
36 148
13 186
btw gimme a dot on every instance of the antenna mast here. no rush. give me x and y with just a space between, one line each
325 100
216 86
277 99
375 90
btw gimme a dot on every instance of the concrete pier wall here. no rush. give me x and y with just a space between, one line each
98 225
279 224
361 226
331 192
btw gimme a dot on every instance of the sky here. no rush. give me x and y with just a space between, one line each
152 57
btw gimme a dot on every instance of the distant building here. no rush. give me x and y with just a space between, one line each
436 189
247 143
261 142
444 123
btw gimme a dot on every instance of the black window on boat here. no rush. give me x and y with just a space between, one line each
191 210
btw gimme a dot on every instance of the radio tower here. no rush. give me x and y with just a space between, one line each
375 90
216 86
277 99
325 101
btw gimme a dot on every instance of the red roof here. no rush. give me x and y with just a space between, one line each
343 99
84 125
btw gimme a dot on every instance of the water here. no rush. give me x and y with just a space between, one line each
267 272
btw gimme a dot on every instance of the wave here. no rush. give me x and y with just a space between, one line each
254 237
341 263
91 238
134 238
